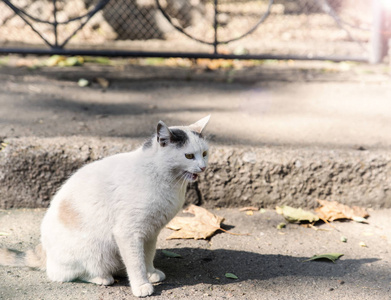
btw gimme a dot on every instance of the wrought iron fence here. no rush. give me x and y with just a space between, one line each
282 29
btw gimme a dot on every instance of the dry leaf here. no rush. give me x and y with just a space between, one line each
249 208
330 256
54 60
214 64
103 82
332 210
202 226
293 215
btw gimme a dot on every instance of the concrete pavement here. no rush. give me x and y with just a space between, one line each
269 263
281 132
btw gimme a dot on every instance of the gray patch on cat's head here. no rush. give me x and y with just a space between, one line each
197 134
178 137
167 136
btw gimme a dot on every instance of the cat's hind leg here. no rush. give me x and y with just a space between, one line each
156 276
62 272
71 272
105 280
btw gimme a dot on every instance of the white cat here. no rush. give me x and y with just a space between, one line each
106 218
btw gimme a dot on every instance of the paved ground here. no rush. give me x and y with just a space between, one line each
288 104
291 104
268 262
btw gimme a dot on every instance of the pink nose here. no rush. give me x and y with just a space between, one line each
203 169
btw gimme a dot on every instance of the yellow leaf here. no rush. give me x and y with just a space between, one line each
202 226
54 60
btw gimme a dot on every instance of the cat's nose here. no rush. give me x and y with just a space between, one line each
202 169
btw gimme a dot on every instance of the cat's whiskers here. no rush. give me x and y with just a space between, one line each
177 179
184 181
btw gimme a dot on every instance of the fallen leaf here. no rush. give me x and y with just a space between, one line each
83 82
359 220
231 275
171 254
332 210
330 256
249 208
103 82
343 239
293 215
71 61
214 64
362 244
154 61
315 228
54 60
281 225
249 212
202 226
98 60
3 145
63 61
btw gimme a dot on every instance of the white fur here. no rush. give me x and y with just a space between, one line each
122 203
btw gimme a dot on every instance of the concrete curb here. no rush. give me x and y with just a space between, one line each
32 169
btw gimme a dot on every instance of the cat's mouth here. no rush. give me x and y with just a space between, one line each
191 176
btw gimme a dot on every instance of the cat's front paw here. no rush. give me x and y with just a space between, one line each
143 290
156 276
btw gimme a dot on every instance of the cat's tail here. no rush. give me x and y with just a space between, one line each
34 258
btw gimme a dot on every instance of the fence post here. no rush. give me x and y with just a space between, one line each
378 38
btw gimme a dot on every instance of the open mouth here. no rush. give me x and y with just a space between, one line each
191 176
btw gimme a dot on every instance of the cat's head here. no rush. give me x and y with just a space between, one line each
184 148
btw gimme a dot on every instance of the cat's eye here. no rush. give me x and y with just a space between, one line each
189 156
205 153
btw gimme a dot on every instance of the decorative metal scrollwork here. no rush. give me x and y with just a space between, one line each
216 41
87 16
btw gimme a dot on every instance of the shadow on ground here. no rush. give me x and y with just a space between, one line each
201 266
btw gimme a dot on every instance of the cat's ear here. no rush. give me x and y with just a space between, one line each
200 125
163 134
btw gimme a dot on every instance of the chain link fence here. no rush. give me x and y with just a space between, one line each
329 29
